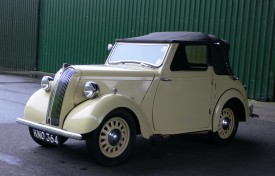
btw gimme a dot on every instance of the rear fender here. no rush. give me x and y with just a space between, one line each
226 96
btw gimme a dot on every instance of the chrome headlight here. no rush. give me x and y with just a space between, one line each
91 89
45 83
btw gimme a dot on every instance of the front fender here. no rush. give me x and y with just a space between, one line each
88 115
229 94
36 107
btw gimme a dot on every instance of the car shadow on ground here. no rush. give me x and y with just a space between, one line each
186 152
252 151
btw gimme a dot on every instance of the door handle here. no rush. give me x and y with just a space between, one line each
166 79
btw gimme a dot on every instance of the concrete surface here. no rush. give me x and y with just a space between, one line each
266 110
251 153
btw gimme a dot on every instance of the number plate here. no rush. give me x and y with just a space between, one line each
46 137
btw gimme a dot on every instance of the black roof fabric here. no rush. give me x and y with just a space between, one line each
220 48
173 37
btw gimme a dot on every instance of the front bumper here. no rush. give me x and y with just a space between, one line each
49 129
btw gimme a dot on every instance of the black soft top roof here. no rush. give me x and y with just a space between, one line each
174 37
219 50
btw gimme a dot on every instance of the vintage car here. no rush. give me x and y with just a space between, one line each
163 83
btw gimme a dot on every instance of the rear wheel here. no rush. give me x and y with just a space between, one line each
112 142
228 125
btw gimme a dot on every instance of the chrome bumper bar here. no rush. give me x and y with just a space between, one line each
49 129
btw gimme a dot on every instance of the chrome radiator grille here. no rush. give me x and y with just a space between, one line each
57 95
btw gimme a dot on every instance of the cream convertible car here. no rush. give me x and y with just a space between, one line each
162 83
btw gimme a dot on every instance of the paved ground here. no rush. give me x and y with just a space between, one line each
265 110
251 153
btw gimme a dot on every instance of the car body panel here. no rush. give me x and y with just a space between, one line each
90 113
229 94
36 107
188 91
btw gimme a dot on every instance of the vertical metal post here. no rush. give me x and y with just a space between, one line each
273 98
38 27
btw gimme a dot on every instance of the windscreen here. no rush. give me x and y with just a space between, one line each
152 54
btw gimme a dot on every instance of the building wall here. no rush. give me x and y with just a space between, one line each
78 32
18 36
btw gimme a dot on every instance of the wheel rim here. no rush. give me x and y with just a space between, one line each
114 137
226 123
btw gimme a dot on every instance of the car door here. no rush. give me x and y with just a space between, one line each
183 97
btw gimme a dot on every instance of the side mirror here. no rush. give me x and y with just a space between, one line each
110 46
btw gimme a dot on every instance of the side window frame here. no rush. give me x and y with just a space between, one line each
180 61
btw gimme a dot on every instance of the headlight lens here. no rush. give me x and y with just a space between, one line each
45 83
91 89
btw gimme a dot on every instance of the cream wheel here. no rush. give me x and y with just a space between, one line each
226 123
114 137
227 126
112 142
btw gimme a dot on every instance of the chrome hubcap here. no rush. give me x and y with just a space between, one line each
226 123
114 137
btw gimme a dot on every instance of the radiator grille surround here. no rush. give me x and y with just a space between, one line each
57 96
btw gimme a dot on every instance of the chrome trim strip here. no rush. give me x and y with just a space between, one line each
49 129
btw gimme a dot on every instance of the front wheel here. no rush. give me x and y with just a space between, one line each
227 127
112 142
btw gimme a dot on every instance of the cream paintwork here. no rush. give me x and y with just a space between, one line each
118 72
224 88
177 100
229 94
36 107
126 81
89 114
137 89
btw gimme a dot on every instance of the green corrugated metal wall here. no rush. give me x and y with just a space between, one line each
78 31
18 22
